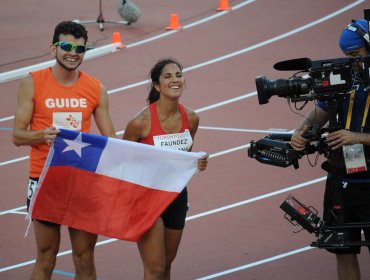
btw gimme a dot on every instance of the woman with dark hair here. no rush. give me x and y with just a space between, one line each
165 116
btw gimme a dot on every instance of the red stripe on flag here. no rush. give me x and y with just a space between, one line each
98 204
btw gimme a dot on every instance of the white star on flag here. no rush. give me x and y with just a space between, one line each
75 145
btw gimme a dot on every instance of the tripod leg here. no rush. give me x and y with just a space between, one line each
100 19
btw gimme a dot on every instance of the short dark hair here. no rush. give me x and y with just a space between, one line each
75 29
155 72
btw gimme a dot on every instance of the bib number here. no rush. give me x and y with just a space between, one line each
32 186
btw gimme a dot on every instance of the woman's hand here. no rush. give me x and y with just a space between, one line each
202 163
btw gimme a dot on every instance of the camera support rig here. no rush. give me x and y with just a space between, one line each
275 150
328 237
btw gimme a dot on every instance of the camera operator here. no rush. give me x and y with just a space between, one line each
352 134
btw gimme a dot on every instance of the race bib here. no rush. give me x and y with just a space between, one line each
354 158
32 186
177 141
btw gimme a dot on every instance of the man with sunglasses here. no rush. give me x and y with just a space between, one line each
49 99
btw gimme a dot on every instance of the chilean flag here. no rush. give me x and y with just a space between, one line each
108 186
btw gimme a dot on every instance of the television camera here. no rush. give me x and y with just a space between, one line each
328 80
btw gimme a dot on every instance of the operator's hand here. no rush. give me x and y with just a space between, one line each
298 142
49 134
342 137
202 163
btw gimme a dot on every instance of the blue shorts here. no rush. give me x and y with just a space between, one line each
175 214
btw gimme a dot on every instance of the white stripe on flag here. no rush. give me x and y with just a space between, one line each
148 166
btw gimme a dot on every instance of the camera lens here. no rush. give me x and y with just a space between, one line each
292 87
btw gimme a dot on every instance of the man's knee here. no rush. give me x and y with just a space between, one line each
83 245
45 261
84 265
156 270
83 257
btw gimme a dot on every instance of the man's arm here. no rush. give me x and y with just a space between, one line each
317 117
23 116
102 117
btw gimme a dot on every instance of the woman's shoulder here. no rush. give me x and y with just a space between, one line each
138 126
192 115
141 120
142 117
193 119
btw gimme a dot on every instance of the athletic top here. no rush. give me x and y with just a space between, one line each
68 107
159 138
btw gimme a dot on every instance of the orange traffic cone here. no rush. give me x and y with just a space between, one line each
224 6
174 22
117 39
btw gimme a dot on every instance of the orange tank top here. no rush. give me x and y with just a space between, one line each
158 137
61 106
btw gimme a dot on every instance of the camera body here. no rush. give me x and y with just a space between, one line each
326 80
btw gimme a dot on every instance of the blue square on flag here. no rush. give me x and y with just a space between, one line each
79 150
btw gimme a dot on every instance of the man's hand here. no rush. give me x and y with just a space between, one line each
342 137
49 135
298 142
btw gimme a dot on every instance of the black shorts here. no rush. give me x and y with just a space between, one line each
32 185
175 214
356 208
